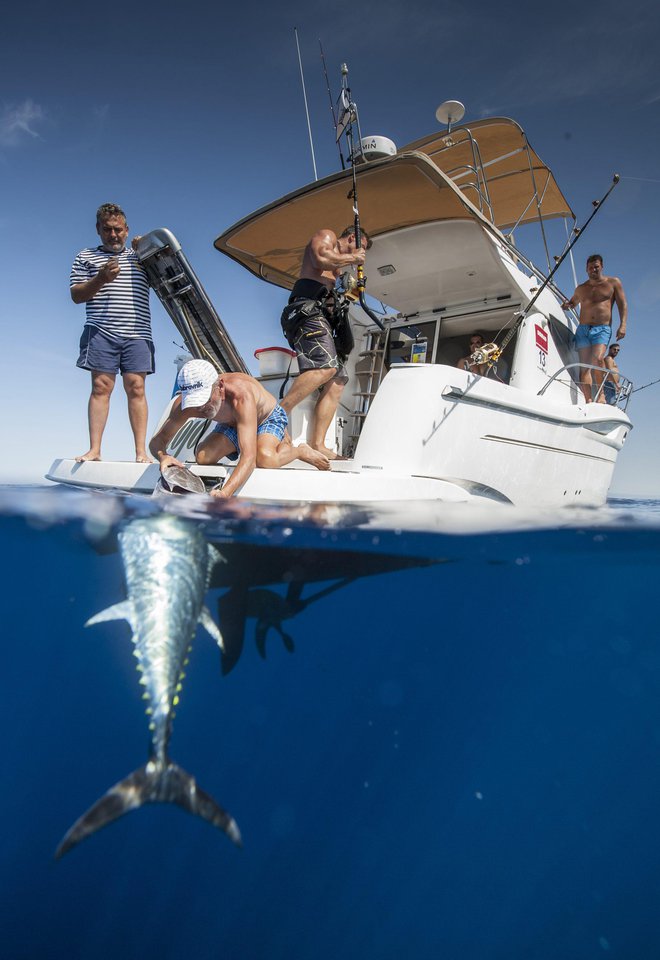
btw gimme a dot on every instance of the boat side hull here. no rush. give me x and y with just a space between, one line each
444 422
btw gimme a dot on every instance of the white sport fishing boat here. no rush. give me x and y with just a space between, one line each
441 213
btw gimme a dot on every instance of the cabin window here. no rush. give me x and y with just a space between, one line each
412 343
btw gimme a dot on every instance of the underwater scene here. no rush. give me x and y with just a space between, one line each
233 730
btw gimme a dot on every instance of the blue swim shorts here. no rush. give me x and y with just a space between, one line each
610 392
103 354
275 423
587 335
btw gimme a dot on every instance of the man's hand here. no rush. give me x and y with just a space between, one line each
135 241
110 270
169 461
621 332
219 494
567 305
359 257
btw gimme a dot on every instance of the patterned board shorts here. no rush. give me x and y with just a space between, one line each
316 349
275 424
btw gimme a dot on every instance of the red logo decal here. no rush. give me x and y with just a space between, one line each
541 338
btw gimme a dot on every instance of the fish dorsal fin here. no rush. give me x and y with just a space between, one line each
118 611
211 627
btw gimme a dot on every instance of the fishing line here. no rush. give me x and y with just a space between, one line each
637 389
641 179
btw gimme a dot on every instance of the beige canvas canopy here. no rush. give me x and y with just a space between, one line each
515 174
408 189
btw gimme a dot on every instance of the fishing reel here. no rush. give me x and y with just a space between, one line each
489 353
346 285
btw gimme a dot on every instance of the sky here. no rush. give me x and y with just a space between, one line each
191 116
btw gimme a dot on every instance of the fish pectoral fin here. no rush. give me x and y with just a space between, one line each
118 611
156 782
211 627
215 557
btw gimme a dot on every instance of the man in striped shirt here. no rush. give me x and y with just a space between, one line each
111 282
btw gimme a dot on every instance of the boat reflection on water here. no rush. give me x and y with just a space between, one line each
168 567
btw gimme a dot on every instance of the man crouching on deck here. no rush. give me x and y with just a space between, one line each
249 422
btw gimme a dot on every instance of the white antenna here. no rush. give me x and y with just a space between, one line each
309 126
451 111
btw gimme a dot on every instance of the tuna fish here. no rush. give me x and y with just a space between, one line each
167 564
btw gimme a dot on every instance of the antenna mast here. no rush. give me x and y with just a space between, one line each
309 126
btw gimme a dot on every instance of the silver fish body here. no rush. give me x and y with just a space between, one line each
167 564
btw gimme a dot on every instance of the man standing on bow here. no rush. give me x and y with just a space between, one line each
111 282
308 325
596 298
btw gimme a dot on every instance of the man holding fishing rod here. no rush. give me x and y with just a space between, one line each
596 298
312 324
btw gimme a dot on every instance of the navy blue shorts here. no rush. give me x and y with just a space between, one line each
102 354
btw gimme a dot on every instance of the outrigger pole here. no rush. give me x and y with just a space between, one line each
345 120
332 105
578 233
309 126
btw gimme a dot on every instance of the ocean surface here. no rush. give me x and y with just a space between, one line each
437 729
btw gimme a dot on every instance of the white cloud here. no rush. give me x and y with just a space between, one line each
20 121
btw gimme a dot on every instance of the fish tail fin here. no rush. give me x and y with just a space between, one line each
156 782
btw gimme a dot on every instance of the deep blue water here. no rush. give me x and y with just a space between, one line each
459 759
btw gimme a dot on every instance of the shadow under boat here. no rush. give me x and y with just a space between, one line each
251 570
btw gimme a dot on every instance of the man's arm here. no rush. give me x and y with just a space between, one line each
325 255
160 441
622 305
573 301
82 292
245 410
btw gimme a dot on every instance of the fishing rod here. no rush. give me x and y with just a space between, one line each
350 117
332 105
637 389
578 233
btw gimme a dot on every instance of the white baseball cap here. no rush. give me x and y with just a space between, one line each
195 381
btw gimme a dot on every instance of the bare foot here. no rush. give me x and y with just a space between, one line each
330 454
144 458
90 455
315 457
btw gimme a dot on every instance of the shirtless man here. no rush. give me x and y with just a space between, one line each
611 386
326 257
596 298
249 422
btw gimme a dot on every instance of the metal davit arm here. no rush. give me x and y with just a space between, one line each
179 290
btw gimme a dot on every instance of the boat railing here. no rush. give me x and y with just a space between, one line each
479 184
476 168
622 391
